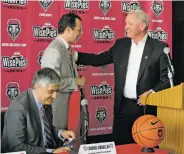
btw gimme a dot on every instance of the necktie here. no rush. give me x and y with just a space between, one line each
71 59
47 130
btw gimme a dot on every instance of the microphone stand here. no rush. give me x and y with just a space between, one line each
170 76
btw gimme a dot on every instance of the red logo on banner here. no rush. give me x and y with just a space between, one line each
105 6
13 28
129 6
45 4
16 63
102 91
159 34
101 114
104 35
45 33
157 7
12 90
15 4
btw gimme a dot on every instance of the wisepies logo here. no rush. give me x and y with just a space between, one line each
159 34
77 4
102 91
15 2
130 6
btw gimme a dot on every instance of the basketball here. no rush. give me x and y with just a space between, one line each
148 131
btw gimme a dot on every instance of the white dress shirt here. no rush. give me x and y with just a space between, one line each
133 68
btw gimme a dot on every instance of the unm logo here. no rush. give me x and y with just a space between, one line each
77 4
157 7
106 33
130 6
16 61
13 28
105 6
12 90
101 114
45 4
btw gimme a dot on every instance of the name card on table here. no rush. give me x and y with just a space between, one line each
20 152
98 148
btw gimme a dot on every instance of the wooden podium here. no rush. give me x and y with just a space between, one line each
170 109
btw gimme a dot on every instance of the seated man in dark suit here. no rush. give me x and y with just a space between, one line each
28 120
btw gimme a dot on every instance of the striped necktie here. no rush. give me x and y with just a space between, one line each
71 59
47 130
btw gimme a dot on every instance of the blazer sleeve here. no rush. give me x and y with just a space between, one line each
52 59
16 127
103 58
164 80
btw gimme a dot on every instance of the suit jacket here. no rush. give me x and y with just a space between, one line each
153 68
22 127
57 57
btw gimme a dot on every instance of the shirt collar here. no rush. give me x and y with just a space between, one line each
142 41
65 43
39 105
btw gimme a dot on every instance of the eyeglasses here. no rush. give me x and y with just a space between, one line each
80 30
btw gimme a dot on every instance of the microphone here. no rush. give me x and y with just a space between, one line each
84 104
166 51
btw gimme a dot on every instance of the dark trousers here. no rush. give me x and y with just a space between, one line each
123 122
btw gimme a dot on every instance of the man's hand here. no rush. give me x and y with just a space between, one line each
144 94
68 134
81 81
61 149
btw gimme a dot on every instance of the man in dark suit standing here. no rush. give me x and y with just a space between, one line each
140 67
28 120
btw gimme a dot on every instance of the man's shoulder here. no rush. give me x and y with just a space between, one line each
123 40
158 43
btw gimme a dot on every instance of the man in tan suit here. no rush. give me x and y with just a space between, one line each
58 57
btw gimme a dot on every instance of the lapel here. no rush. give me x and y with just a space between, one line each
65 50
35 113
145 56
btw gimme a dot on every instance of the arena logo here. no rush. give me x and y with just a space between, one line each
105 6
16 63
40 54
45 4
157 7
130 6
104 35
101 114
102 91
12 90
13 28
76 4
15 4
45 33
159 34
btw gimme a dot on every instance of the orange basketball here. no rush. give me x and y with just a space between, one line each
148 131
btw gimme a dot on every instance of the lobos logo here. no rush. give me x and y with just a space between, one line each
16 63
81 67
101 114
12 90
45 33
77 4
102 91
157 7
40 54
45 4
104 34
130 6
105 6
13 28
15 4
158 34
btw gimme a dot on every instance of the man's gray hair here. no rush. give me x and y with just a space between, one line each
46 76
141 16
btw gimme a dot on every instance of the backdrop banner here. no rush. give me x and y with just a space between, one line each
27 27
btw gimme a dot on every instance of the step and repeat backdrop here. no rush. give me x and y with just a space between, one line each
27 27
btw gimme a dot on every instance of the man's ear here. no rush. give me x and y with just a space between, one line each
143 26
